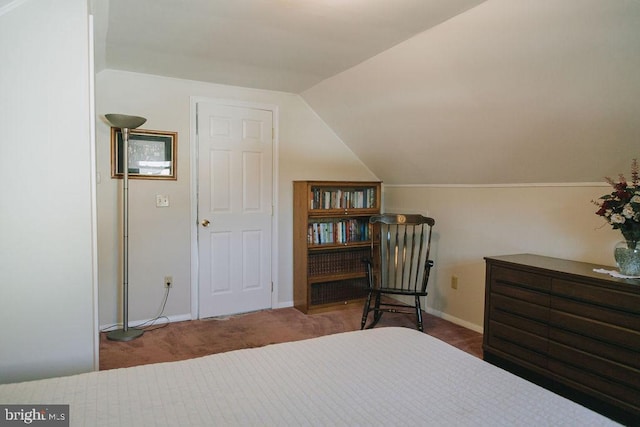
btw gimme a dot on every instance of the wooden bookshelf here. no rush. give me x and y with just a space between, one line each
331 237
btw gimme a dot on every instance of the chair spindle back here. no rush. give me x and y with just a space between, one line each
402 243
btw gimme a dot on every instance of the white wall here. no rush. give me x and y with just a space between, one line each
159 238
474 222
46 243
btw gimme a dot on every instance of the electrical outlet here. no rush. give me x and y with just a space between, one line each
454 282
162 201
168 281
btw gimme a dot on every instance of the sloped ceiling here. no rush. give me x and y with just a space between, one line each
509 92
285 45
423 91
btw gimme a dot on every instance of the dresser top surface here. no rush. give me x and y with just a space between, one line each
558 265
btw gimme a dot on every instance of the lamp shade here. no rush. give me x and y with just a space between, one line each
125 121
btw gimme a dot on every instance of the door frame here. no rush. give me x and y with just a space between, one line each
193 160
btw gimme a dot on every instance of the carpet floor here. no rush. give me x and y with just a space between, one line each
189 339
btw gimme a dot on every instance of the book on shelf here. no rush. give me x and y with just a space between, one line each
340 232
323 198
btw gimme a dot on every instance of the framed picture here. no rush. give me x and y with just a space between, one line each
152 154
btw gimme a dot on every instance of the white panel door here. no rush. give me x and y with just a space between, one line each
235 147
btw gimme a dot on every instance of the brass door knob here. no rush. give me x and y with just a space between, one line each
205 223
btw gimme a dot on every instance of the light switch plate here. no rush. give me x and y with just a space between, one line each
162 201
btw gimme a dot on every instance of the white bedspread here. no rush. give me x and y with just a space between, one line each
383 376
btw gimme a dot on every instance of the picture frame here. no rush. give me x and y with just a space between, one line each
152 154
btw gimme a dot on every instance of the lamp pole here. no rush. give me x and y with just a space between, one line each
125 123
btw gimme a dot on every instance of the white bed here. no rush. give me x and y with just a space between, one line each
383 376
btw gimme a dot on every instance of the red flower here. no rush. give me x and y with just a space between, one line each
601 211
623 195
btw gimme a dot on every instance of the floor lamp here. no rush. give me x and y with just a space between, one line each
125 123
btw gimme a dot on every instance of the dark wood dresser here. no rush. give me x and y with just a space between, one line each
572 330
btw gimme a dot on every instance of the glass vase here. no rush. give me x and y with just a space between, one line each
627 256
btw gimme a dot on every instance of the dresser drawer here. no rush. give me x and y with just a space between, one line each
596 365
520 344
600 313
615 353
519 314
520 278
520 293
598 295
594 329
606 387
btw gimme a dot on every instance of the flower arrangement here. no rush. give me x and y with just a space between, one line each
621 208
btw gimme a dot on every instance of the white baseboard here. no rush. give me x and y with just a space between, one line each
455 320
160 321
286 304
447 317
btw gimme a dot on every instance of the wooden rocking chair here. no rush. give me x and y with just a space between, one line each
399 264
